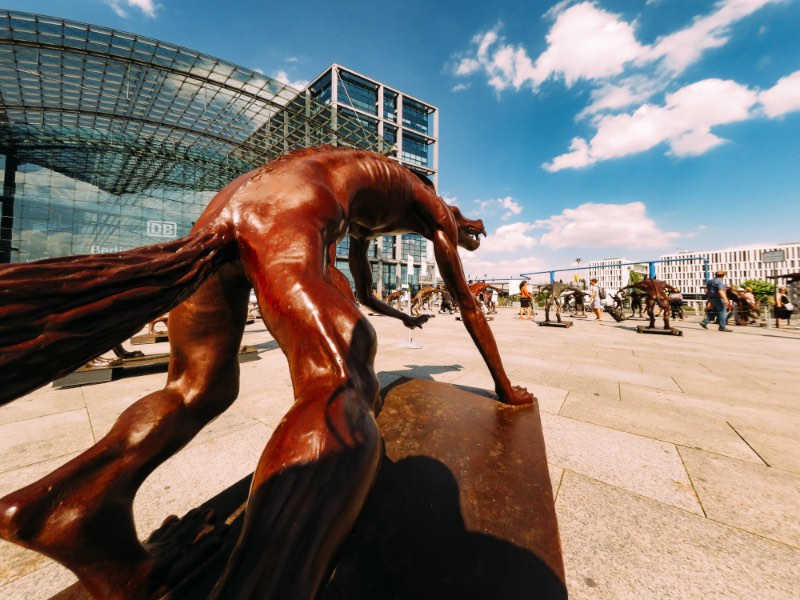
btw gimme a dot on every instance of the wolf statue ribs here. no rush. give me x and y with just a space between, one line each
271 230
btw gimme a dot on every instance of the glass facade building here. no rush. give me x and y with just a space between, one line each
111 140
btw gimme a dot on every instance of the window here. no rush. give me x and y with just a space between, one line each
415 150
413 244
321 89
389 105
389 246
415 116
390 134
358 93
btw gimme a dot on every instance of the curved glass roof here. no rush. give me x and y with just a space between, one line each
126 112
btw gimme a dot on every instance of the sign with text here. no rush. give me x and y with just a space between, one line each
773 256
162 229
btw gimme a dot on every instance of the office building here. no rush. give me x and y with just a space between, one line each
689 270
614 273
406 129
740 264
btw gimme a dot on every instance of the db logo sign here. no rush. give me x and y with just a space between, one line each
162 229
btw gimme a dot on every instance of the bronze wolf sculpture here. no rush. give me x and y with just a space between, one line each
274 229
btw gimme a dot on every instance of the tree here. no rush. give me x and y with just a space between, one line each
762 290
634 277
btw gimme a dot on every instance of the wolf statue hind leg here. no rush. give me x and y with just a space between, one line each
81 514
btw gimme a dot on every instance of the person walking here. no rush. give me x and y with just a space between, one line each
595 301
525 301
783 308
676 304
718 299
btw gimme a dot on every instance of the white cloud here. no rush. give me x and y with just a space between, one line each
588 43
460 87
283 77
684 122
504 65
621 94
477 265
682 48
510 238
508 205
783 97
579 31
593 225
449 198
146 6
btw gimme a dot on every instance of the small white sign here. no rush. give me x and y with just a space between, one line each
162 229
774 256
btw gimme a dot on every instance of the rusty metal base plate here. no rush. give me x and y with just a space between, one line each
462 508
150 338
670 331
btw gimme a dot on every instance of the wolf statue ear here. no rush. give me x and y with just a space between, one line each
424 179
456 211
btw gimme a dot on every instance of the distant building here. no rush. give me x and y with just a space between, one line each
687 270
740 264
408 126
614 273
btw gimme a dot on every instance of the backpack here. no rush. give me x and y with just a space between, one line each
712 287
602 293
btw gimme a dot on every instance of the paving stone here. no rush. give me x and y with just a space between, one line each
40 584
631 522
625 376
621 546
196 474
38 439
753 497
662 415
42 402
647 467
776 442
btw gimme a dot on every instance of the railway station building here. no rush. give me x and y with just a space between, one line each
111 140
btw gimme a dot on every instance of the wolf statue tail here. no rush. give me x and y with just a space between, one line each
56 314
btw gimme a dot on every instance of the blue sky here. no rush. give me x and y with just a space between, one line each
575 129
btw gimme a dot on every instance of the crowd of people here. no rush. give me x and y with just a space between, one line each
724 304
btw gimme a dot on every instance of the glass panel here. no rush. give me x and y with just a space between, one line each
413 244
389 105
358 93
114 154
415 116
415 150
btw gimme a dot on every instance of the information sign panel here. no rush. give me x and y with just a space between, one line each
773 256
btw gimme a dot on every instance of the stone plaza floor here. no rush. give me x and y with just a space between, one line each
675 461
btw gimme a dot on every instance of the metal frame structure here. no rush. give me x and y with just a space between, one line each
651 268
409 127
128 113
